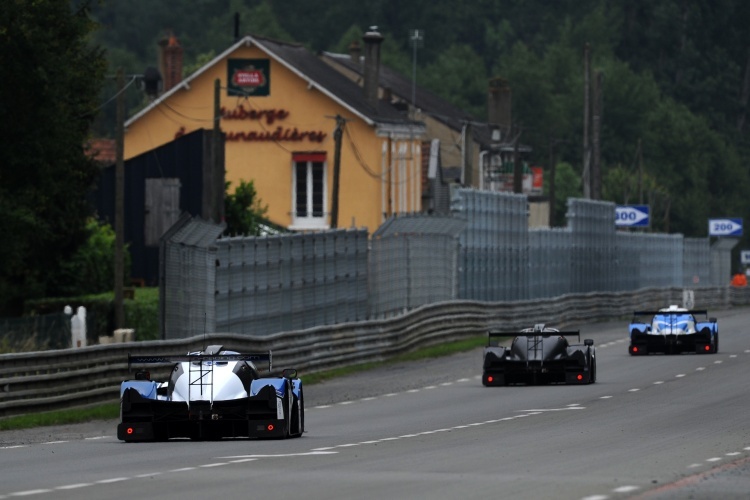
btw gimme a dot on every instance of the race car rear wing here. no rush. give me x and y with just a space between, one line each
561 333
694 312
253 356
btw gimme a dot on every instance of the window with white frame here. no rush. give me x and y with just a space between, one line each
309 191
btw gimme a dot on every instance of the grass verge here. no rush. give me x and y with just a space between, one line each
112 410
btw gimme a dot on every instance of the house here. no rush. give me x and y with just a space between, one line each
321 151
461 149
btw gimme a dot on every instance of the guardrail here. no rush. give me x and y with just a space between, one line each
53 380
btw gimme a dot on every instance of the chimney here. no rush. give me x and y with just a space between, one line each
499 103
372 40
355 51
170 62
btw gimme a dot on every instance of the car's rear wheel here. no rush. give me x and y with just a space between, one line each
298 416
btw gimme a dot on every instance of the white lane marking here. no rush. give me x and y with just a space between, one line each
463 380
112 480
217 464
368 399
540 410
56 442
390 395
734 454
625 489
634 390
413 390
349 445
693 466
243 460
700 368
732 355
321 407
714 459
97 437
429 387
658 382
574 404
605 397
15 446
184 469
148 474
29 492
746 448
446 384
680 375
344 403
718 362
595 497
74 486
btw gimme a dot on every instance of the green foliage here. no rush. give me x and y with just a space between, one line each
91 268
567 185
48 96
243 210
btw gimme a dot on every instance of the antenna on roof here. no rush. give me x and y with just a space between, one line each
416 39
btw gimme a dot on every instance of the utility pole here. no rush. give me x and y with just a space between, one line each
596 164
517 166
119 200
340 122
552 169
216 179
585 176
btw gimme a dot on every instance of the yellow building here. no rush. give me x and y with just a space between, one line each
283 112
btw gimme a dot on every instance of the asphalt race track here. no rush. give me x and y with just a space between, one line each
655 427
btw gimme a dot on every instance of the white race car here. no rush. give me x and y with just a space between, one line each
673 329
211 394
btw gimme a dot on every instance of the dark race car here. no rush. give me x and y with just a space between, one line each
539 355
673 330
211 394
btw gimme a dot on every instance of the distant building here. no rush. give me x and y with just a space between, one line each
279 107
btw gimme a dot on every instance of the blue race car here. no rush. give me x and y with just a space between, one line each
211 394
673 330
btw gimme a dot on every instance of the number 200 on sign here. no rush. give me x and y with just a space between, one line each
723 227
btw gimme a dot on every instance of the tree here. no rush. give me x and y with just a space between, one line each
49 95
243 210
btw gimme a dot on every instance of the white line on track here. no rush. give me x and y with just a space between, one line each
625 489
74 486
680 375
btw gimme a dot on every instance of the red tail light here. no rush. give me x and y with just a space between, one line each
270 427
130 430
635 349
707 348
490 379
579 377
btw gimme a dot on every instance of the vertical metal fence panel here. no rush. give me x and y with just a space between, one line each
593 260
278 283
494 246
189 278
696 262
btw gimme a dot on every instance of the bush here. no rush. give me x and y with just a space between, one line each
141 312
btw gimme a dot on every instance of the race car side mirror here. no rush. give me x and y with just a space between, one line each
588 342
289 373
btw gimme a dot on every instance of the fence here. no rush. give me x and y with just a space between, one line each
279 283
51 380
484 251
